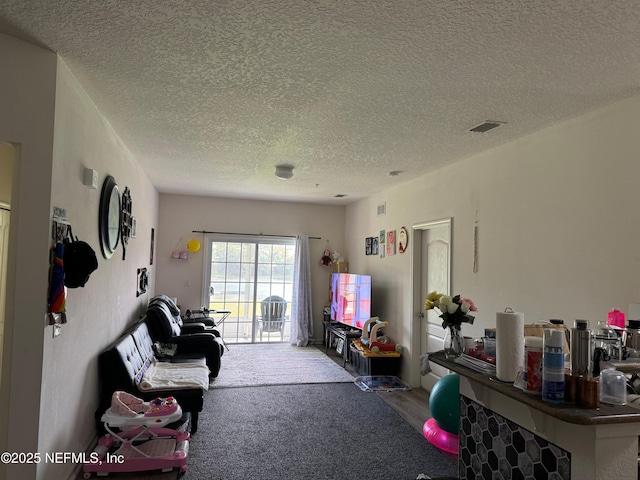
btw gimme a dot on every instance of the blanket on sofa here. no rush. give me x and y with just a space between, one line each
164 376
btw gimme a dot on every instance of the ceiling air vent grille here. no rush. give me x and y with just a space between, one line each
382 209
486 126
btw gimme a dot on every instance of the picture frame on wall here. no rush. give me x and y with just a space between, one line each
382 236
374 246
391 242
153 238
367 245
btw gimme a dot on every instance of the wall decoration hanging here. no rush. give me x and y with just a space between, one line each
109 217
368 242
391 242
142 282
153 241
56 296
126 221
403 240
193 245
374 246
179 252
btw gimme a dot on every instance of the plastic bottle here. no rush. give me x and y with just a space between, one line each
553 366
615 318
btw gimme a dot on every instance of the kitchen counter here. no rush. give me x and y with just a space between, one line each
567 412
505 429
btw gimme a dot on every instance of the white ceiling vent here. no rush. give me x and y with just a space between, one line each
486 126
382 209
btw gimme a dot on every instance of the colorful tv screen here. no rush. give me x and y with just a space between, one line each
350 299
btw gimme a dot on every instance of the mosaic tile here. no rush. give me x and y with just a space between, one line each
495 448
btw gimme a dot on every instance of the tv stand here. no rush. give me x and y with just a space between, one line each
334 330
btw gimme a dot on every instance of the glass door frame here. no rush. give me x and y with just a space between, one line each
256 240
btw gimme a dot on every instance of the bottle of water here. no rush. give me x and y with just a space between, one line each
553 366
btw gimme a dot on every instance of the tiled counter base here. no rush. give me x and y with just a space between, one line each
515 435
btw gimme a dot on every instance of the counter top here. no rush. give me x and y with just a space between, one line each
567 412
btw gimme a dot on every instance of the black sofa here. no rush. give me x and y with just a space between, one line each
120 366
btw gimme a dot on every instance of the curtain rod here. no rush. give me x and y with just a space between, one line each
252 234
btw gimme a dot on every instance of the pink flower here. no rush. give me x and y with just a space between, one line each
472 306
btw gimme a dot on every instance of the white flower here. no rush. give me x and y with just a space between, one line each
445 301
452 307
465 307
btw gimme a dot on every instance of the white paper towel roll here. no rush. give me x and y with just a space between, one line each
509 344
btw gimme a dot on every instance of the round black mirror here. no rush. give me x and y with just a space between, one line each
110 216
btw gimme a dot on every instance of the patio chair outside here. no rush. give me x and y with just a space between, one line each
273 310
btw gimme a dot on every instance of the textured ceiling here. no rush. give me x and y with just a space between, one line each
210 95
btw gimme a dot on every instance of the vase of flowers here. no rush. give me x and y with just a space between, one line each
454 311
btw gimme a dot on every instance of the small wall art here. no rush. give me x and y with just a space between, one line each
391 242
367 245
403 240
153 239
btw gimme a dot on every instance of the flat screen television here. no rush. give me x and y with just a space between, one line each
350 299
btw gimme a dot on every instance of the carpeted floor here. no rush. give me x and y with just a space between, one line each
321 431
254 365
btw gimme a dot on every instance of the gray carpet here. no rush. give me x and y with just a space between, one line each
323 431
277 364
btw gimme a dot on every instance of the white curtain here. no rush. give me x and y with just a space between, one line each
301 316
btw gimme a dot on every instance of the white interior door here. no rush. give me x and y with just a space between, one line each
4 256
434 267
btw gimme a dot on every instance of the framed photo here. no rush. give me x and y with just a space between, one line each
153 239
374 246
367 245
391 242
382 235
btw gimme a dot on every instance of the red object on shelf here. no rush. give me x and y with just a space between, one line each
615 318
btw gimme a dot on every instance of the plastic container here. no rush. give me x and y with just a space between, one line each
553 366
532 372
615 318
613 387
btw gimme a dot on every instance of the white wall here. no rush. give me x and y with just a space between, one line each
99 312
27 94
558 215
49 386
7 155
181 214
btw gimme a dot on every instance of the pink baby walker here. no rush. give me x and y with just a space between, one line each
142 442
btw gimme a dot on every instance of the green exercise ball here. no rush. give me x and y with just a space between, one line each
444 402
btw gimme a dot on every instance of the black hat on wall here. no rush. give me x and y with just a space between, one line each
79 262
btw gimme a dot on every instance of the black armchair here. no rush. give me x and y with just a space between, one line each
189 317
194 338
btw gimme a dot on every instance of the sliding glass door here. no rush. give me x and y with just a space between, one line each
241 274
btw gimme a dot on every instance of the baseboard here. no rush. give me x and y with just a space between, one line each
77 470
